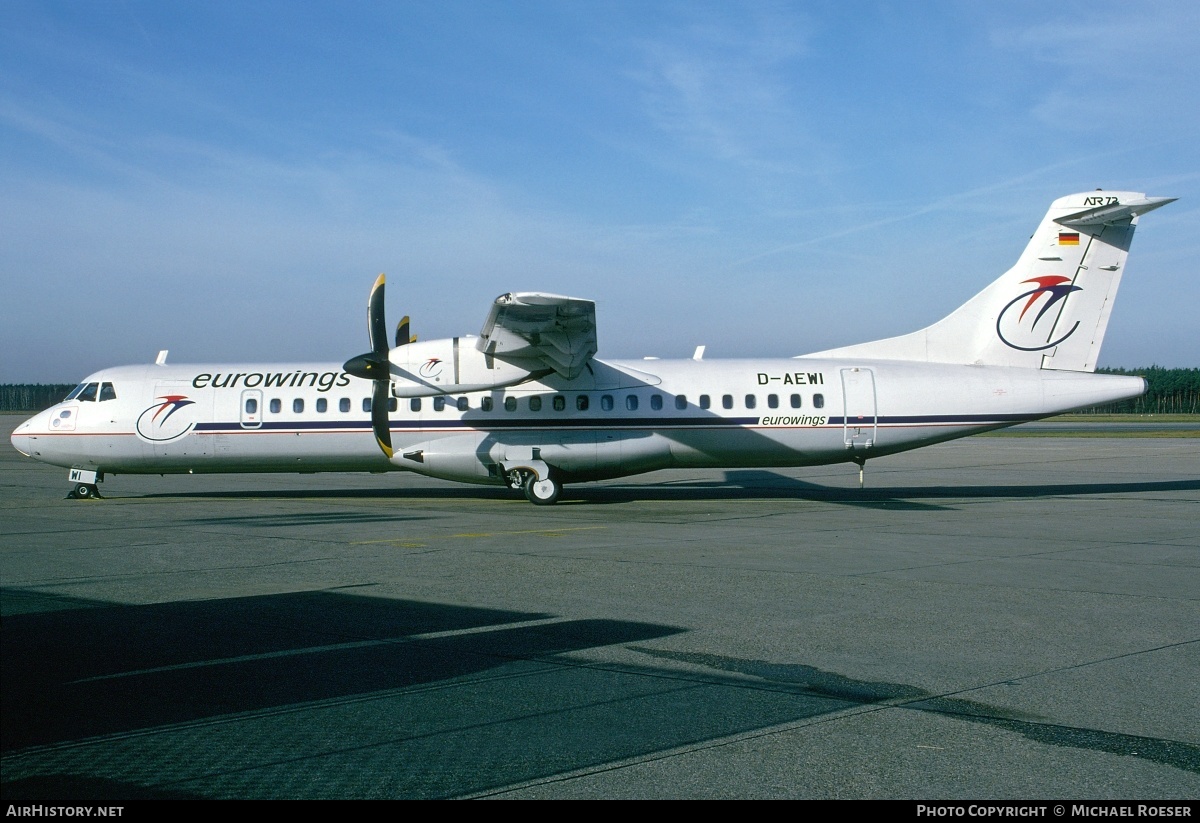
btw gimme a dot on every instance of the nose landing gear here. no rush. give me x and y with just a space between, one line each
84 491
83 484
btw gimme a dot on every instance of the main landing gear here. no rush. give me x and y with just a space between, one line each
542 492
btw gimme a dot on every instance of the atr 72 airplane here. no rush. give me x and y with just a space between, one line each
526 403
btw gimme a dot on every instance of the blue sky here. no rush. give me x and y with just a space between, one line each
225 179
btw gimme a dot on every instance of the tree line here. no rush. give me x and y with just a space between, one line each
1171 391
31 397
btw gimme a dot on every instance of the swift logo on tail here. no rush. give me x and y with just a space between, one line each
1055 288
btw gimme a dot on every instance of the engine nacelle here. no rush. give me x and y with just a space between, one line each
453 366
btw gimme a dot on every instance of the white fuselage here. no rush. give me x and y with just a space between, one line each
617 418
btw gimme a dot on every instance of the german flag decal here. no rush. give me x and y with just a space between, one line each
1068 238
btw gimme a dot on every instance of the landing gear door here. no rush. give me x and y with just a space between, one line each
858 399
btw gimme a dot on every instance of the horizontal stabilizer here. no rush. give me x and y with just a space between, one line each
1109 215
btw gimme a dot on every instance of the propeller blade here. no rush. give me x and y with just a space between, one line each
380 422
376 325
375 366
402 332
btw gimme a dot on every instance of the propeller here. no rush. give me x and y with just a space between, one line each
376 367
403 337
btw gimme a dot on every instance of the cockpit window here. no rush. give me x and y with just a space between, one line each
74 392
107 392
89 392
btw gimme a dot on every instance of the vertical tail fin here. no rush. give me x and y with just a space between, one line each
1048 311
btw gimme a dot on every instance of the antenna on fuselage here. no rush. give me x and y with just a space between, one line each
161 360
699 353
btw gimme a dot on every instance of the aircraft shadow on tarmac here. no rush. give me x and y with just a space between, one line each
735 485
423 699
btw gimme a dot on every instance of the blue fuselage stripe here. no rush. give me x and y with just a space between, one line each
495 423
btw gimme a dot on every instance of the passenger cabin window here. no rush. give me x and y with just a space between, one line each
298 406
485 404
795 401
705 401
656 401
107 392
606 402
727 401
818 401
366 404
681 401
535 404
276 405
251 406
393 404
773 401
510 404
462 404
344 405
439 404
322 405
581 402
751 401
631 402
560 402
414 404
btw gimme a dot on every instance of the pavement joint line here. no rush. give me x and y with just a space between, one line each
547 532
793 725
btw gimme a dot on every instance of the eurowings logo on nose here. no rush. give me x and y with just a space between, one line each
159 423
1014 331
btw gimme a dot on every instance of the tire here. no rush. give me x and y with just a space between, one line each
83 491
542 492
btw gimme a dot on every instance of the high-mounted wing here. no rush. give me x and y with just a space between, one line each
558 332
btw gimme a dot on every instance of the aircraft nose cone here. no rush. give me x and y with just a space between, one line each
21 443
21 439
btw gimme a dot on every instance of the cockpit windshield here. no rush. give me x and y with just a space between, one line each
92 392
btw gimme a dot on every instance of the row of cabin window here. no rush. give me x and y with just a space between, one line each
558 402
